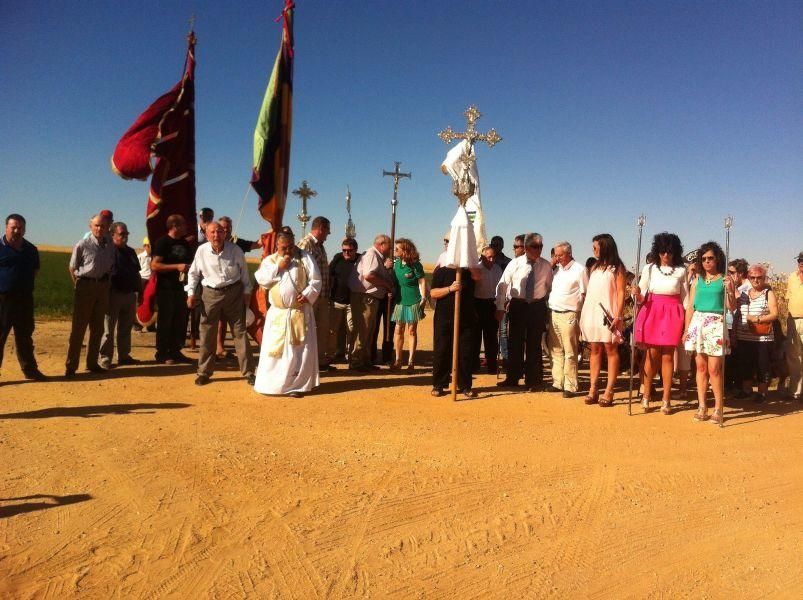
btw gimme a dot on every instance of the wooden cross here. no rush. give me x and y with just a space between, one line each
305 193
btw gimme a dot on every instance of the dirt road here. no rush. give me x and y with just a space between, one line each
141 485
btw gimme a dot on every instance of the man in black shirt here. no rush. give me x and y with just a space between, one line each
19 264
125 285
171 260
340 269
444 286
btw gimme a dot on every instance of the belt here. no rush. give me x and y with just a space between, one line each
560 312
224 287
523 301
103 278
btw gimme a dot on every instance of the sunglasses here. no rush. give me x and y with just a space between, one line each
665 252
518 245
347 249
731 272
707 258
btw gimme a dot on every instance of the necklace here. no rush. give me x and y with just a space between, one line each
671 272
710 278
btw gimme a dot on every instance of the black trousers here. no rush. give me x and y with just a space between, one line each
527 326
442 354
16 312
171 323
379 330
486 333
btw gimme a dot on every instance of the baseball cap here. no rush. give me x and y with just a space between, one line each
146 241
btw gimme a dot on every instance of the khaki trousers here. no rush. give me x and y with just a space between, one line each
363 311
794 354
90 304
321 311
564 338
118 323
229 305
338 313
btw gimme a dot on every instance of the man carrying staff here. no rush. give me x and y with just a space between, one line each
312 243
90 267
527 281
171 261
219 268
370 282
565 302
125 285
19 264
288 359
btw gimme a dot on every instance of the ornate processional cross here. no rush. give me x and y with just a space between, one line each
305 193
464 188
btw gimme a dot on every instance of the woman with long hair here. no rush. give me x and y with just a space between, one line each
409 298
601 317
659 327
705 328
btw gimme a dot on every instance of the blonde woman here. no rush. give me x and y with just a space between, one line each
410 297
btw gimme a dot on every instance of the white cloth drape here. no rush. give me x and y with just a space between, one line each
455 168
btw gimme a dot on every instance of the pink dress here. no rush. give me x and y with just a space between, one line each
601 290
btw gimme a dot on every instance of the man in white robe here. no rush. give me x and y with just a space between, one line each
288 359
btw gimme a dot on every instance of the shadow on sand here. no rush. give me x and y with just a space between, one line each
26 507
143 408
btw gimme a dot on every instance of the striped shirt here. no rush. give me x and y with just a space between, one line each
753 307
318 253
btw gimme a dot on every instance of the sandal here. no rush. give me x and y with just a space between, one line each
592 398
645 404
700 415
666 408
716 417
606 401
410 368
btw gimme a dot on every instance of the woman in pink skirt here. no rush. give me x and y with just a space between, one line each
601 316
659 326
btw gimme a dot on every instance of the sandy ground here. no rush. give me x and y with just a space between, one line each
141 485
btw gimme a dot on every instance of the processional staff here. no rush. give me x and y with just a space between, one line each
305 193
463 189
642 220
387 342
351 230
725 338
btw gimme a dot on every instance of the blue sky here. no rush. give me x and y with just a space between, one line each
686 111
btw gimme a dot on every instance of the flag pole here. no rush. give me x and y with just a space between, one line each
725 338
641 221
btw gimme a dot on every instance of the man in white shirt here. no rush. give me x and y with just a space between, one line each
226 289
527 281
485 305
569 286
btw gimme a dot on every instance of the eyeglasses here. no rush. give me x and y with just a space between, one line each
707 258
731 272
445 241
518 245
755 277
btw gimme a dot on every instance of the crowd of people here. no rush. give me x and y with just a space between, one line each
680 310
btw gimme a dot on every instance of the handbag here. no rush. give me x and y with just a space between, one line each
760 328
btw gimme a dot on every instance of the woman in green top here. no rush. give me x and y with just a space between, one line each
410 296
705 326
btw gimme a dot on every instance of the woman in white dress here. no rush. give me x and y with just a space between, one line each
606 294
288 359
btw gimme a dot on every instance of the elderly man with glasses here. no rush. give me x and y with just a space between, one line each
125 285
526 281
